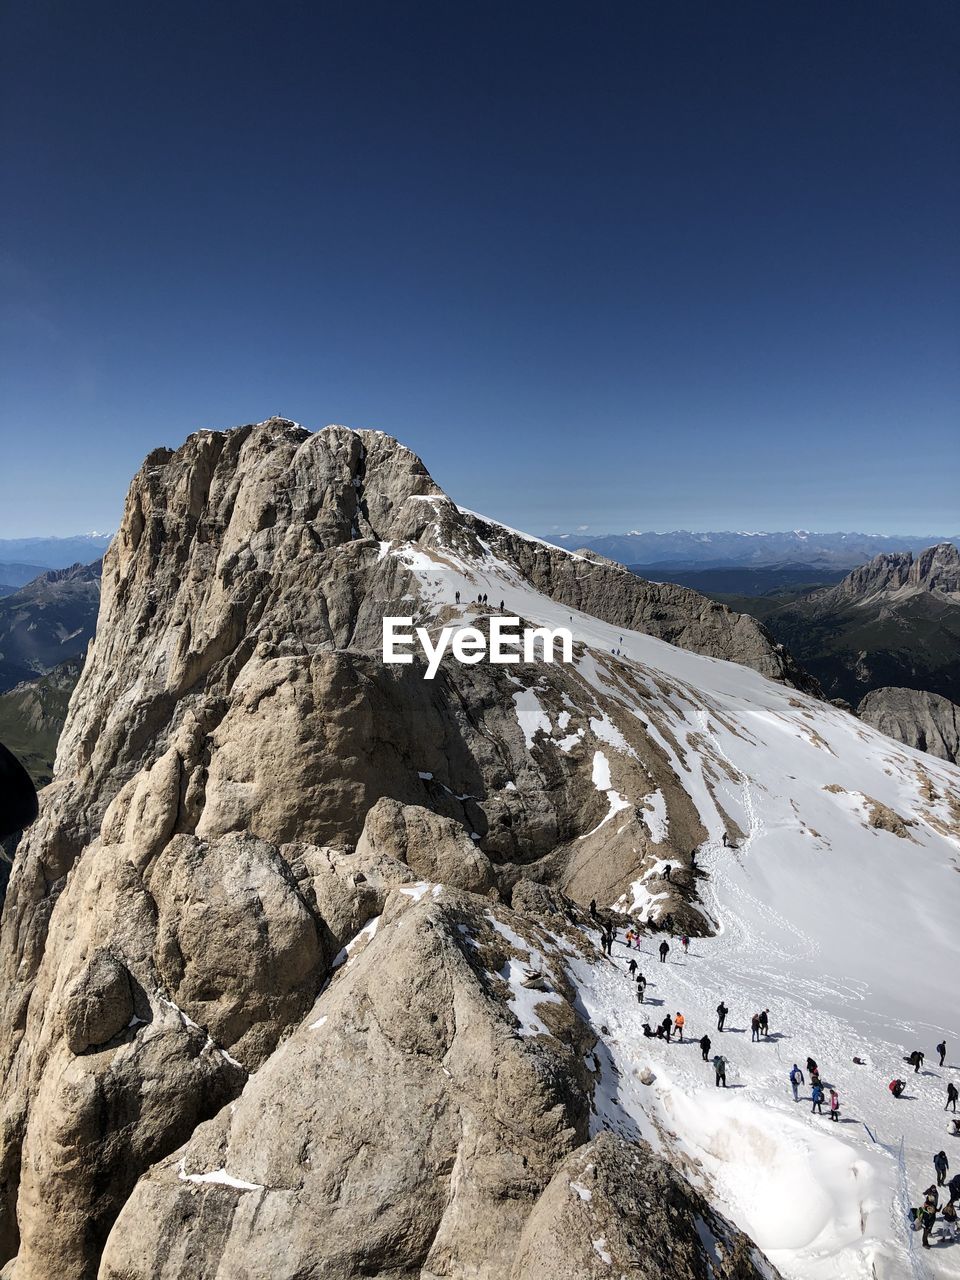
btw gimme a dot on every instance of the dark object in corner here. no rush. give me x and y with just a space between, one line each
18 795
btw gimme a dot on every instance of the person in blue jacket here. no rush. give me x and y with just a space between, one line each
796 1080
817 1097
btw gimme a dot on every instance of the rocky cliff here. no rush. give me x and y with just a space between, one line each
922 720
898 574
266 851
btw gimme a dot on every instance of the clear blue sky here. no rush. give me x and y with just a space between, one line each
639 265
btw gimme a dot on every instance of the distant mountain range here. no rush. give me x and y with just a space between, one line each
894 621
49 620
50 553
682 549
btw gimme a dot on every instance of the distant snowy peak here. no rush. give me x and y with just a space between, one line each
682 548
55 553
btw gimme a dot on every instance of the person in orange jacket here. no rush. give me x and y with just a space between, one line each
678 1025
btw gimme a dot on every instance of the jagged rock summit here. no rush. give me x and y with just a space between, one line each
285 962
241 787
897 575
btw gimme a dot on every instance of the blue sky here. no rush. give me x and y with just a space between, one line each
635 265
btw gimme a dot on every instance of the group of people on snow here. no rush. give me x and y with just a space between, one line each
924 1217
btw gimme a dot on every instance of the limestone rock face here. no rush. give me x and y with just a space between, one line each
241 787
99 1003
919 719
412 1125
434 847
612 1208
896 574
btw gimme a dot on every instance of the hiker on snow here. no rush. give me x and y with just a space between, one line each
678 1025
942 1050
834 1105
664 948
928 1216
641 986
720 1067
667 1025
764 1020
816 1095
951 1096
951 1229
916 1060
953 1186
897 1087
722 1012
632 966
755 1027
705 1047
796 1080
811 1066
941 1164
685 943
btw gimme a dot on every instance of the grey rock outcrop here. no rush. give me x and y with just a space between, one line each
612 1208
898 574
434 847
412 1125
98 1004
919 719
241 785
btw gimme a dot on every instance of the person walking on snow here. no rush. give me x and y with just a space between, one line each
641 986
951 1096
720 1067
811 1066
667 1025
816 1096
685 943
928 1216
664 948
632 966
764 1021
796 1080
949 1215
722 1012
941 1164
458 597
755 1027
834 1105
678 1024
953 1186
705 1047
916 1060
942 1050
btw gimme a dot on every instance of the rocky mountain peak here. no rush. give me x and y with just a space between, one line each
935 569
243 786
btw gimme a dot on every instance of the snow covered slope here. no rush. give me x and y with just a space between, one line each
837 911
